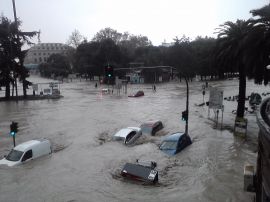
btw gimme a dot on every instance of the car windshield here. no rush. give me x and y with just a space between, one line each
130 136
14 155
168 145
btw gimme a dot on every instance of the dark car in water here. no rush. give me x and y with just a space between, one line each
144 172
175 143
138 94
151 127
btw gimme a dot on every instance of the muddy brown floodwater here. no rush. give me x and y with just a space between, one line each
86 163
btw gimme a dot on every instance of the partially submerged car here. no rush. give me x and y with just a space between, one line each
141 172
138 94
128 135
27 151
151 127
105 91
255 99
175 143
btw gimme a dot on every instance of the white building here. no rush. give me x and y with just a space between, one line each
39 53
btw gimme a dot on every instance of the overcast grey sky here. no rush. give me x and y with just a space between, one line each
156 19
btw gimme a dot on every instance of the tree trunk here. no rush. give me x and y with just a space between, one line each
7 94
24 88
242 92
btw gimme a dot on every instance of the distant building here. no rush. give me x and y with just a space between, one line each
40 53
165 44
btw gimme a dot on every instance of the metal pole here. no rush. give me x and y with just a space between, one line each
16 25
187 103
14 140
222 117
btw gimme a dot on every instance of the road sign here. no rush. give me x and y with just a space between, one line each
215 98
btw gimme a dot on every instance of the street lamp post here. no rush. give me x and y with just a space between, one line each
187 103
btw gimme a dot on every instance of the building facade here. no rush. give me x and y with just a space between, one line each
40 53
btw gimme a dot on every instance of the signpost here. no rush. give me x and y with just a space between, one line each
216 102
215 98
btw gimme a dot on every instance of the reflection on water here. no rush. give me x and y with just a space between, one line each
88 167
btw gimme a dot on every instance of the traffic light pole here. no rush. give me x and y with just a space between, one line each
187 103
14 143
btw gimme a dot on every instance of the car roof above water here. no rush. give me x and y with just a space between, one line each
150 123
174 137
29 144
125 131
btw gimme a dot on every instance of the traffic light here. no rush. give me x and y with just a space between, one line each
13 128
184 115
109 71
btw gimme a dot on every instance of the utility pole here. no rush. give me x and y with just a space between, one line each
187 103
16 25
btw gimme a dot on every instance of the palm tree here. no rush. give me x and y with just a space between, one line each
231 51
259 50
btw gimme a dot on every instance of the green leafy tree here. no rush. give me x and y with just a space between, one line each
259 46
57 65
203 49
93 56
108 33
12 56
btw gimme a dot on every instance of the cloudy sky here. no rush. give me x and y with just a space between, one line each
159 20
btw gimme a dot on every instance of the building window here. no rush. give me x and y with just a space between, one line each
35 60
35 54
40 59
39 53
44 53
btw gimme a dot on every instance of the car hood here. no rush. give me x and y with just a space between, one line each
170 152
4 161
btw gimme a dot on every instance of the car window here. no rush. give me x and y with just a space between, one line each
27 155
130 136
146 129
168 145
157 128
14 155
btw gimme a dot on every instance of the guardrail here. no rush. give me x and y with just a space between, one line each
262 179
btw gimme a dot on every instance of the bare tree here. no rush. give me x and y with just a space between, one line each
75 39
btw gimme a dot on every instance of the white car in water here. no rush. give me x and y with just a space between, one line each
27 151
128 135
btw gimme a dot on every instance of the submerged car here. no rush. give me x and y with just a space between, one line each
175 143
27 151
138 94
151 127
255 99
144 172
105 91
128 135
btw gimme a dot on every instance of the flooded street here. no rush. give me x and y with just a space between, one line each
88 167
